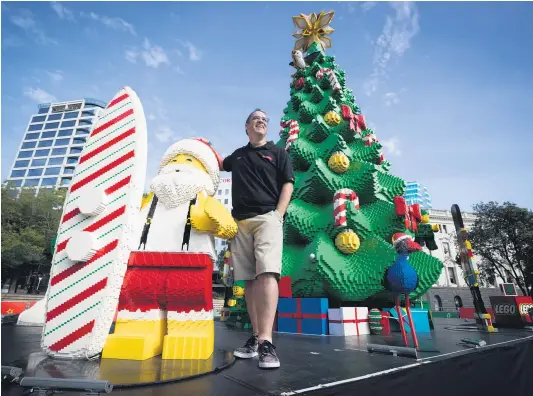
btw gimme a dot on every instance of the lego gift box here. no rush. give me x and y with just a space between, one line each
303 315
348 321
420 320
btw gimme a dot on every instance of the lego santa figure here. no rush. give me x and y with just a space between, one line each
165 305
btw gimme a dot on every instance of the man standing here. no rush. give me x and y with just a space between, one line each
262 186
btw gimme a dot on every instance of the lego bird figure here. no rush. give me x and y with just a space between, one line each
401 279
298 60
165 304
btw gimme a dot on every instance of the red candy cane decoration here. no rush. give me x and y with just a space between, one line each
331 76
339 205
294 131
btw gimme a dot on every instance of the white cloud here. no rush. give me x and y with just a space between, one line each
55 76
394 40
194 53
165 134
27 22
62 11
179 70
368 5
114 23
131 55
154 55
391 145
40 96
391 98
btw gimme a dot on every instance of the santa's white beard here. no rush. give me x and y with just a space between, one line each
180 183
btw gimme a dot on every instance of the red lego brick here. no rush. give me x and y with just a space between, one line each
285 287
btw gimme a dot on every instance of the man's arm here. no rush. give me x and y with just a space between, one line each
286 174
285 198
225 164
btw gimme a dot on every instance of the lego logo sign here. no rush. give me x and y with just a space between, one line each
524 308
511 311
505 309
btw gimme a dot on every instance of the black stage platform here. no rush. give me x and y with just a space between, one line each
317 365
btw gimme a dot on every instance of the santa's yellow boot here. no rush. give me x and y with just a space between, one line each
189 338
137 336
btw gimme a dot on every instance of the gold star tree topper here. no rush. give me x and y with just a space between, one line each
313 28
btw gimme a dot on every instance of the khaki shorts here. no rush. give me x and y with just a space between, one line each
258 246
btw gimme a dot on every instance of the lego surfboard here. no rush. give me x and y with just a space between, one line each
95 232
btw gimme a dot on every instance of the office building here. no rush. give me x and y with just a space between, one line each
224 196
52 143
417 193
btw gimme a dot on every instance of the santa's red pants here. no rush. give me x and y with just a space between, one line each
179 282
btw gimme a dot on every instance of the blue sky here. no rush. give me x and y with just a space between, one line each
446 86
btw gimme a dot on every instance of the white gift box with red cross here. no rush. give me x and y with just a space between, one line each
348 321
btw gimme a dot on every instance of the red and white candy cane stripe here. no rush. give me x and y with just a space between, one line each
335 85
339 205
294 131
369 139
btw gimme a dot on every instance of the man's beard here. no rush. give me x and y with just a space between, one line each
180 183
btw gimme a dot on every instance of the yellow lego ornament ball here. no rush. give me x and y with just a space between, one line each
332 118
347 242
338 162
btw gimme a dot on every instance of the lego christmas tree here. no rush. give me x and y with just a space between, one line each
346 204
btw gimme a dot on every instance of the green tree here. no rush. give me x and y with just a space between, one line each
29 223
331 149
502 236
220 261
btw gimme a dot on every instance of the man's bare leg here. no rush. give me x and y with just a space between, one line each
265 294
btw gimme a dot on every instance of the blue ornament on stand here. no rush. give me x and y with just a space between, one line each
401 276
401 279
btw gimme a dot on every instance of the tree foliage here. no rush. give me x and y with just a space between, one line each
220 260
502 236
29 223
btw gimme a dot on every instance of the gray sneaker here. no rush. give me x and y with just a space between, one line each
249 350
267 355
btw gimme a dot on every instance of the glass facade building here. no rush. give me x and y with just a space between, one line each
417 193
51 146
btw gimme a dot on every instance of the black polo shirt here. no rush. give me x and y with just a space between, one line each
258 174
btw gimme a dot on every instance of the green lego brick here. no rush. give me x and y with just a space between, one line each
304 220
305 152
428 269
